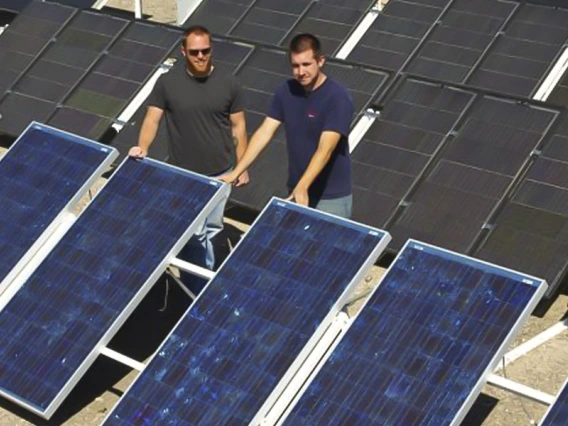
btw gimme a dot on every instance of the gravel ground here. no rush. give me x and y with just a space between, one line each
544 368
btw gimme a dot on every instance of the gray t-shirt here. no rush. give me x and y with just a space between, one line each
197 112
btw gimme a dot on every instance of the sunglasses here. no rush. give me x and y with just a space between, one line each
195 52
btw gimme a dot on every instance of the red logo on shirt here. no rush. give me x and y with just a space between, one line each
311 114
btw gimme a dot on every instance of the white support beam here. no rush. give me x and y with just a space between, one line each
192 269
533 343
521 390
553 78
358 34
123 359
362 126
99 4
138 9
182 285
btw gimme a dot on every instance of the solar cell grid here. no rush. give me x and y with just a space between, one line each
18 111
396 33
530 230
81 123
522 55
235 344
43 173
401 142
491 146
558 412
439 323
94 277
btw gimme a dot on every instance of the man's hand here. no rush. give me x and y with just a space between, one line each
300 196
228 178
137 152
243 179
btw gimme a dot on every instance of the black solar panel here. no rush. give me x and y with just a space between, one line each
24 38
219 16
472 174
395 151
558 412
15 6
332 21
459 41
396 32
530 232
523 53
262 74
559 95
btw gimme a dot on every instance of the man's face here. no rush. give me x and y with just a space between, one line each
306 67
197 52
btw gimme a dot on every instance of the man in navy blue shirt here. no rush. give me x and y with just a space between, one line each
316 112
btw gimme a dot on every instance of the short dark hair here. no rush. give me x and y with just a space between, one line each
195 29
306 41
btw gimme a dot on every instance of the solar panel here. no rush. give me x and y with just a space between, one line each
520 58
414 123
227 57
52 329
262 74
558 412
219 16
17 6
396 32
243 333
460 39
420 350
529 232
559 95
43 174
458 195
24 38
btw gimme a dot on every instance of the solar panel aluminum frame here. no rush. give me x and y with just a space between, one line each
551 407
418 245
318 334
49 237
222 192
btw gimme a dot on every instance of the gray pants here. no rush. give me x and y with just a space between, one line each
341 207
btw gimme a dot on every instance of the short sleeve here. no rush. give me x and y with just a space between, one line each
157 97
276 110
238 100
339 115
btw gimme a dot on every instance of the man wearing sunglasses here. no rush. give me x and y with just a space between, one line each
205 121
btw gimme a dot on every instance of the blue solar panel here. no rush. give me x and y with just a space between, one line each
44 172
240 337
557 414
89 283
418 352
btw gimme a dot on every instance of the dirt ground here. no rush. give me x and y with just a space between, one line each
545 368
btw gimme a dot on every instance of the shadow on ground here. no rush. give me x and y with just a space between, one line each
138 338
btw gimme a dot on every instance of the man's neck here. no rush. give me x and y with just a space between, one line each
317 83
199 74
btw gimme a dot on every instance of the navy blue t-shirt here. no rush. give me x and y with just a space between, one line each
305 116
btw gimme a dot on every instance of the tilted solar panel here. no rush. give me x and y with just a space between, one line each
243 333
524 52
43 174
559 95
459 41
52 328
397 32
421 348
530 232
414 123
458 195
558 412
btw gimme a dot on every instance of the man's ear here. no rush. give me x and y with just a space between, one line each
321 61
182 50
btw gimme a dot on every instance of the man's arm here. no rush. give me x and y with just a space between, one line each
147 132
239 130
327 144
258 142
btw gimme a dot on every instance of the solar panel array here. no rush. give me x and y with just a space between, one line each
529 233
16 6
261 75
472 174
42 174
84 77
275 22
420 350
559 95
51 328
558 412
242 334
395 151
